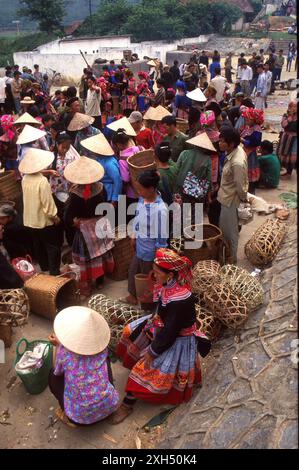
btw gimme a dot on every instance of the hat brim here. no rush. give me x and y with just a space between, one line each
196 95
82 330
202 141
35 160
122 123
80 121
98 144
26 118
84 171
30 134
156 114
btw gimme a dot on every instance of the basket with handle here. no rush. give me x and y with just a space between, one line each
35 381
212 244
49 294
140 162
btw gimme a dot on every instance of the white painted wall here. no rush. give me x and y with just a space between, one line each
71 63
86 45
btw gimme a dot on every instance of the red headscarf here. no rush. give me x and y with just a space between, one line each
170 260
256 115
7 123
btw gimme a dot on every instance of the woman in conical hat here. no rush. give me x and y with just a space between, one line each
89 251
82 125
31 137
161 350
82 378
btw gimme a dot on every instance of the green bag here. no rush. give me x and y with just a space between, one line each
36 381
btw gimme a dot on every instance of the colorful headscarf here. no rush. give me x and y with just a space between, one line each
143 75
7 123
256 115
181 84
207 119
170 260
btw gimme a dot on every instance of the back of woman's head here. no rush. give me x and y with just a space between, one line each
149 179
194 115
163 151
120 137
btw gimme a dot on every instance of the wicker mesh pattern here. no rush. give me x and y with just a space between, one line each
177 245
140 162
264 244
226 306
122 254
241 283
14 307
207 324
204 274
115 313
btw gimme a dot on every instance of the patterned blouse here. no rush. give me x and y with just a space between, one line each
60 184
89 396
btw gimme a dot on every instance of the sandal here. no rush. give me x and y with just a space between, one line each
120 414
64 419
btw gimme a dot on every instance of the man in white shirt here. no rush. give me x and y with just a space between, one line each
261 88
93 102
220 84
245 78
268 75
182 69
2 93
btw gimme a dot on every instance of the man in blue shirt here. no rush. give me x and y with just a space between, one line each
214 65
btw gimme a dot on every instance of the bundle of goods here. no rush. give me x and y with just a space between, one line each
14 311
245 214
33 364
117 315
265 243
226 306
205 273
245 286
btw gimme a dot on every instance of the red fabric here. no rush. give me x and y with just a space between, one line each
145 139
257 115
87 192
170 260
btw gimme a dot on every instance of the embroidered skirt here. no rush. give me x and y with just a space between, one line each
171 376
287 151
254 171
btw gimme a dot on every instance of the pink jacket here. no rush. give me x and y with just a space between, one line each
124 169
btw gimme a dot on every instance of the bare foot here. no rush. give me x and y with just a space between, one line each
130 299
120 414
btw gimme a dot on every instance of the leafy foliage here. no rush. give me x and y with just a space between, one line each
48 14
21 43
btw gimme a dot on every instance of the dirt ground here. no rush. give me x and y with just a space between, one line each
26 421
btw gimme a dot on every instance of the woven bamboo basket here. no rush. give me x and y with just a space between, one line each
10 188
177 245
206 323
212 244
226 306
205 273
140 162
116 314
247 288
122 254
49 294
14 307
182 125
265 243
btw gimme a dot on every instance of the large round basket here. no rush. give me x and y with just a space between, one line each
14 307
226 306
122 254
265 243
182 125
209 244
140 162
207 323
116 314
246 287
10 188
205 273
49 294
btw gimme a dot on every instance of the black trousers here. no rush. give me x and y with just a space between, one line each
47 247
62 227
97 122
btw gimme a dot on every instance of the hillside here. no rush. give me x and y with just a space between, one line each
76 10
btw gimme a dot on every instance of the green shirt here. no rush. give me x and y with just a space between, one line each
177 144
169 174
270 170
197 162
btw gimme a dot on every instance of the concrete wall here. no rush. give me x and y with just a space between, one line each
89 46
71 63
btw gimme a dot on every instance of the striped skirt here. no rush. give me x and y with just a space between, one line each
287 151
170 377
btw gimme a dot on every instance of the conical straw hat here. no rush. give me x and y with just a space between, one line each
80 121
203 141
30 134
98 144
84 171
156 114
35 160
122 123
26 118
27 100
152 63
82 330
196 95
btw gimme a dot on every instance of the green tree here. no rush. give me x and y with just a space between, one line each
48 14
109 18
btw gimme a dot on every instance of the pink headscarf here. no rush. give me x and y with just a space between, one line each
7 123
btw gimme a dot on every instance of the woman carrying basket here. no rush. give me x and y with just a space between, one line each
161 350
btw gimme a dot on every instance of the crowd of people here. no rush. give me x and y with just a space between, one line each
70 152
